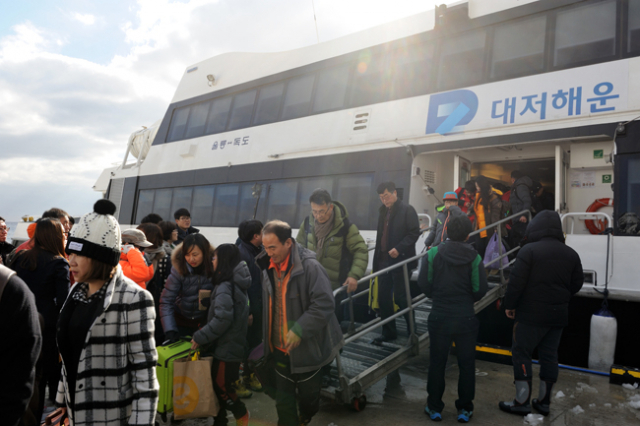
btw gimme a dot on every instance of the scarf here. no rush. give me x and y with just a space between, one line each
321 230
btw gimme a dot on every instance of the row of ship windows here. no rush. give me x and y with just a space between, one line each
582 34
226 205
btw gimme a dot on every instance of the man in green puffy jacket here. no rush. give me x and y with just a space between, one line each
338 245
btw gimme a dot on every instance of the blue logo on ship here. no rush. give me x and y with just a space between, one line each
449 112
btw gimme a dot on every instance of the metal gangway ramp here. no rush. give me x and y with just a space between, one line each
362 363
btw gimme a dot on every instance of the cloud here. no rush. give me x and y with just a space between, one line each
64 119
85 18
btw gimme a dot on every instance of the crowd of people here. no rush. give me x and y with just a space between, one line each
89 303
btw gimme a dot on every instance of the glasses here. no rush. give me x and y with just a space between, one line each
319 212
385 197
6 229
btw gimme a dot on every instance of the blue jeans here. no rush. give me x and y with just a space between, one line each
442 331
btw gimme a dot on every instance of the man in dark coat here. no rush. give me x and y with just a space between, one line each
398 231
521 201
19 326
183 221
250 244
544 277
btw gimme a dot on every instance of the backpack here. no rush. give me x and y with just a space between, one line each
346 258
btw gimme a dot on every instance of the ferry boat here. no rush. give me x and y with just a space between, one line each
547 87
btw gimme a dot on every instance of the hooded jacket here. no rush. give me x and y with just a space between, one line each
453 275
332 249
225 332
248 253
309 306
135 267
520 198
181 294
545 275
438 233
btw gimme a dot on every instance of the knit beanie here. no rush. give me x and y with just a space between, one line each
97 234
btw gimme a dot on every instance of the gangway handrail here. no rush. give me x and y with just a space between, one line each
415 342
585 216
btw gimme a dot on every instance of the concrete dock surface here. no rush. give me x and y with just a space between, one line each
578 399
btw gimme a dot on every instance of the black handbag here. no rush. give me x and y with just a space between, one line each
264 367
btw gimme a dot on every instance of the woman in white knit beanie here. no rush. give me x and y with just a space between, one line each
105 331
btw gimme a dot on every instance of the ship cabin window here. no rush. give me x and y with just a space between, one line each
297 100
202 206
218 116
269 100
242 110
332 89
633 32
462 60
226 205
585 33
565 37
518 48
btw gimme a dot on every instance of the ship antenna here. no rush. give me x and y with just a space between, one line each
315 20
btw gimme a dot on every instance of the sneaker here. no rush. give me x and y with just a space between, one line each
252 383
244 420
433 415
303 422
241 390
464 416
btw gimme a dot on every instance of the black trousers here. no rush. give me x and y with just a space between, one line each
442 331
526 338
391 288
223 374
297 395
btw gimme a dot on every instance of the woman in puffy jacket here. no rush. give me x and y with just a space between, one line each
133 263
224 334
45 270
181 310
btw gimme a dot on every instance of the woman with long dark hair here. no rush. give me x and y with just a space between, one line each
487 207
105 331
45 270
189 283
224 334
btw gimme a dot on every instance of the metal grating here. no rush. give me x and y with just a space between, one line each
429 177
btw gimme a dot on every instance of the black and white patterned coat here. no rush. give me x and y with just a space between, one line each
116 381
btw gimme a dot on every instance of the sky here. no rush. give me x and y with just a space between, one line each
77 77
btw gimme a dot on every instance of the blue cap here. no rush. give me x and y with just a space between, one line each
450 196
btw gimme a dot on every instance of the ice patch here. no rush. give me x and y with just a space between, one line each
571 396
533 419
630 386
592 405
634 402
607 405
560 394
577 410
586 388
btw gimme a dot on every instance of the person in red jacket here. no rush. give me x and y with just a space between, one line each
133 264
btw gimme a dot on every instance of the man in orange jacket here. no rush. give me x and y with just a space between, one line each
131 259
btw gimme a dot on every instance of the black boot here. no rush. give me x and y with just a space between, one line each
542 404
520 405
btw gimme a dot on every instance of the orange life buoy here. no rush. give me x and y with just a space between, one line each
597 227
